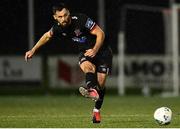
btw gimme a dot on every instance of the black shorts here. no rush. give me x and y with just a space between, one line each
102 61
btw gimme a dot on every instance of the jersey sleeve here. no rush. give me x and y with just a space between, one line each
87 22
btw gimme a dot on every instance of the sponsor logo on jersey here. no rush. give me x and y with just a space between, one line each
89 24
77 32
79 40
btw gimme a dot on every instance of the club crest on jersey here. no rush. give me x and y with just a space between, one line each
89 24
77 32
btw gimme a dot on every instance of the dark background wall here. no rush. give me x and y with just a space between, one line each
14 25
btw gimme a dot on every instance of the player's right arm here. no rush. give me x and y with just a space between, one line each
43 40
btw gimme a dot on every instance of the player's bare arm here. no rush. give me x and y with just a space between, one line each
43 40
99 41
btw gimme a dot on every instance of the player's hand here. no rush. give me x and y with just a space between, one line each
29 55
90 52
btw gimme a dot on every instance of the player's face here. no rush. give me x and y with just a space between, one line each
63 17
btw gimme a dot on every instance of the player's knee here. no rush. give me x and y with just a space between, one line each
88 67
91 69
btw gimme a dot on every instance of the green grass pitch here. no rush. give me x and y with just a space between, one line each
75 112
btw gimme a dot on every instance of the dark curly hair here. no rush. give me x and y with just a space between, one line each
59 7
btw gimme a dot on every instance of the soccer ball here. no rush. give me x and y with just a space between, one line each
163 115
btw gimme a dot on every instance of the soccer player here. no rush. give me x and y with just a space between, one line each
95 55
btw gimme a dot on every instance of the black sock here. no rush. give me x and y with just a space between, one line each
91 80
99 102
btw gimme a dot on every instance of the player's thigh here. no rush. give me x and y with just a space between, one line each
87 66
101 77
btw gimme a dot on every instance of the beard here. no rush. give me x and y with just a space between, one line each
66 23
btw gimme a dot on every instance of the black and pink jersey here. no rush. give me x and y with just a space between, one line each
78 31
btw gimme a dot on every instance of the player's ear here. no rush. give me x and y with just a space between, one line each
54 16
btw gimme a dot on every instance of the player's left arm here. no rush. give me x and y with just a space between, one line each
98 32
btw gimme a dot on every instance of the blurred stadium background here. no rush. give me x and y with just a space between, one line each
144 36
